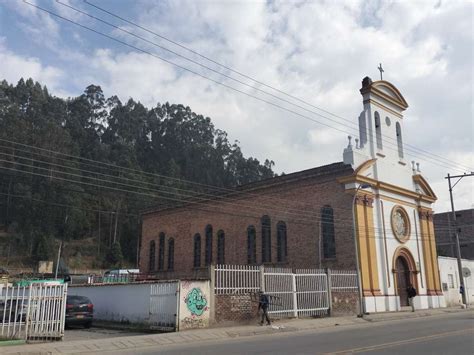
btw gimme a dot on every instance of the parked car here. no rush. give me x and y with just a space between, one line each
14 310
79 311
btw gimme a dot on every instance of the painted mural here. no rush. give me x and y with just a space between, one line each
194 305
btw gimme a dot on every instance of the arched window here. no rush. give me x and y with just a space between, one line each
197 250
161 252
327 230
151 263
208 257
221 247
282 251
170 254
399 140
266 240
378 130
362 130
251 245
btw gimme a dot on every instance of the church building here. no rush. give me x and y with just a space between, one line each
370 212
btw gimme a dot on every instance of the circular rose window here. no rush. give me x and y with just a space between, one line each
400 224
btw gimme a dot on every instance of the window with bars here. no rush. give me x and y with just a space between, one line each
282 250
161 252
151 261
251 245
398 129
378 130
266 240
208 257
327 231
170 254
197 250
221 247
451 281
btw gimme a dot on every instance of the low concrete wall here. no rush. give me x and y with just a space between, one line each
344 303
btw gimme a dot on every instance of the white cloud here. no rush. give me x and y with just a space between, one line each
14 67
318 51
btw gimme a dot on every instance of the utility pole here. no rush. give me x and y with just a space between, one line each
456 233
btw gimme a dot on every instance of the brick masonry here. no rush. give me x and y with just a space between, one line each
233 309
296 199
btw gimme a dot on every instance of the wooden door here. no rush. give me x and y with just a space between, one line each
403 280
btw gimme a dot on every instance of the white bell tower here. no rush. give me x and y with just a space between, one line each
381 134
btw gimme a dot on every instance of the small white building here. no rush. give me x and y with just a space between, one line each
448 270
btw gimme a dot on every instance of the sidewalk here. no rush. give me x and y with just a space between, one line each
153 340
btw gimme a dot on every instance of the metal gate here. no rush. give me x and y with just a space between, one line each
34 312
303 293
164 305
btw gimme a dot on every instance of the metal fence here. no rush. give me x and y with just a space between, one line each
292 293
34 312
344 280
164 305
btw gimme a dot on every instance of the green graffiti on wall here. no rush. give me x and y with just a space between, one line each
196 302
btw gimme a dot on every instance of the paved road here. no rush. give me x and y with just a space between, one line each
446 334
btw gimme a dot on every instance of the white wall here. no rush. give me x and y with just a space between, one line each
448 266
118 303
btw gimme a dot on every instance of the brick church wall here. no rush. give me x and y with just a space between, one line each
289 198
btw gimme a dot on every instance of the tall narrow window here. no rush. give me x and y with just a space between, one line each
266 240
208 259
152 251
197 250
170 254
399 140
161 252
327 230
378 130
251 245
221 247
362 130
282 251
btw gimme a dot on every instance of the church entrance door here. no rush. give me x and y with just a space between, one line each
403 280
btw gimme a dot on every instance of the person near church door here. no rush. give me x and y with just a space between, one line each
263 305
411 297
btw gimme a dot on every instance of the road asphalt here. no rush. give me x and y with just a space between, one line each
382 332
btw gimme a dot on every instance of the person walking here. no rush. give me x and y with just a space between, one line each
263 304
411 297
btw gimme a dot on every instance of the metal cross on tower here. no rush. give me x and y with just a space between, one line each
381 70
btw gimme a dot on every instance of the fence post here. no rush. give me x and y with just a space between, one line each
212 286
262 278
295 298
329 293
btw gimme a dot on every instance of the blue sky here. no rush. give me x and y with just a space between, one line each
316 50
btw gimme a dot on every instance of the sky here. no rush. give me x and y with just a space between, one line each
315 51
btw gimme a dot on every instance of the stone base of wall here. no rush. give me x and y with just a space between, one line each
234 309
344 303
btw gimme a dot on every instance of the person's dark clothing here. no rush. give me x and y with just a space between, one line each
411 292
263 305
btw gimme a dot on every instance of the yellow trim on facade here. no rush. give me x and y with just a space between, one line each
364 166
420 180
386 187
427 253
383 107
364 216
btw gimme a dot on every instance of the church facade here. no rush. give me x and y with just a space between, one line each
308 219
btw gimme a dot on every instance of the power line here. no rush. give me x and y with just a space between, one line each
218 82
225 67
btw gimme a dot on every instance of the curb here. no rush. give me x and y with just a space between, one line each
12 342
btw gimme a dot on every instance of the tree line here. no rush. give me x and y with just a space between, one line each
81 169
